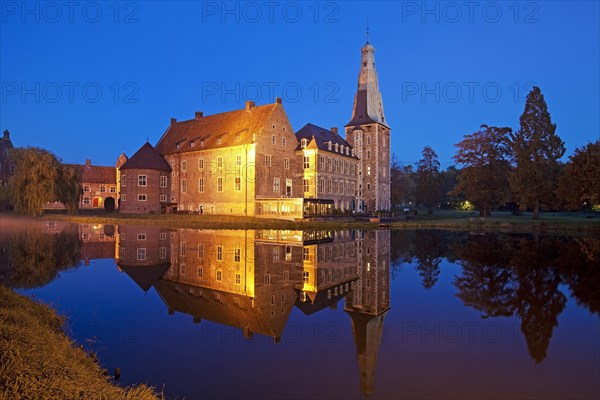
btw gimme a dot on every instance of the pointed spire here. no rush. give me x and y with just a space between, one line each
368 106
367 30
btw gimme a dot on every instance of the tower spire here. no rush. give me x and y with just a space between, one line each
367 30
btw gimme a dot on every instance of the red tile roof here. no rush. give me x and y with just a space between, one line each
213 131
146 158
96 174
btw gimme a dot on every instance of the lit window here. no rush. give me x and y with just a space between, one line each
219 253
306 185
275 185
219 275
238 183
237 279
303 142
219 184
306 162
201 185
305 276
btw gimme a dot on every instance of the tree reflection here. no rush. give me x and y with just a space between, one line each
32 257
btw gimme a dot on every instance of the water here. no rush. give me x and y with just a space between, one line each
290 314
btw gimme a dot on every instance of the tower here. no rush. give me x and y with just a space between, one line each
369 134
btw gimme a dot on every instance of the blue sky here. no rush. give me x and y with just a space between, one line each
93 79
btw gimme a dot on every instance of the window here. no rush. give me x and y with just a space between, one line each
283 297
306 254
321 185
219 162
275 254
219 184
267 279
368 170
184 185
102 189
219 275
305 276
200 272
141 236
86 188
219 140
303 142
368 139
142 180
237 279
368 154
163 236
368 186
142 197
237 253
273 139
238 183
85 236
184 165
238 137
238 161
200 163
162 253
141 253
329 168
123 197
288 187
329 146
163 181
200 250
87 200
201 185
219 253
283 140
306 162
286 163
288 253
286 275
306 185
267 160
275 185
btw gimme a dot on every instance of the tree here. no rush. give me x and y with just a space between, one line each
402 182
40 178
449 179
428 182
536 150
580 180
484 177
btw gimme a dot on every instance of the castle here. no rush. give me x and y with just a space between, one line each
249 162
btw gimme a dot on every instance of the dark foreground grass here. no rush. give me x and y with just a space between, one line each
38 361
499 221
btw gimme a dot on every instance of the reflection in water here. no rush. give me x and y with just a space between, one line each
251 280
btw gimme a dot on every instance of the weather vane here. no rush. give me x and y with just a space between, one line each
367 30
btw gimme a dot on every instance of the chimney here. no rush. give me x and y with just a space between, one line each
173 120
249 105
278 100
334 130
199 115
6 134
88 162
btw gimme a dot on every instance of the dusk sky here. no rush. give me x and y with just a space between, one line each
93 79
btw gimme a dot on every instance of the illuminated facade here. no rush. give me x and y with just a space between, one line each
369 135
329 171
240 162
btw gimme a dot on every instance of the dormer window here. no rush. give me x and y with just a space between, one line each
336 148
342 149
304 143
347 151
218 140
329 146
202 143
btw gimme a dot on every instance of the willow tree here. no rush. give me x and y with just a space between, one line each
536 150
40 178
484 156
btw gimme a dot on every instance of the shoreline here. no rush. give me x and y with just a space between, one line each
38 360
499 222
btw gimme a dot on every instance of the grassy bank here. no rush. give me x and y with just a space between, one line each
38 361
499 221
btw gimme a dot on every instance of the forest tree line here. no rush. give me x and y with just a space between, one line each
496 168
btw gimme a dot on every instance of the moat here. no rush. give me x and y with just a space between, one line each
322 314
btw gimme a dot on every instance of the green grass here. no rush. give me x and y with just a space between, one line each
441 219
38 361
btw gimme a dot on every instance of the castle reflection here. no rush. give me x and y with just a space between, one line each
252 279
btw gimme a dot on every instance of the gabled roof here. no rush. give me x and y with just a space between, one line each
213 131
146 158
97 174
321 138
145 275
